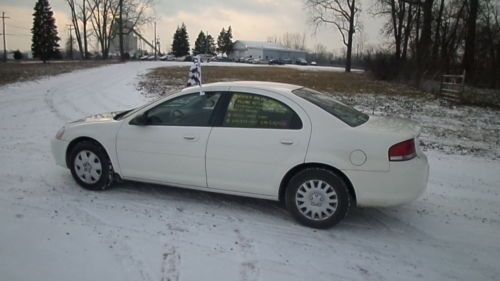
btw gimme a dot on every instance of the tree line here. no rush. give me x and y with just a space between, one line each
428 37
434 37
204 44
100 18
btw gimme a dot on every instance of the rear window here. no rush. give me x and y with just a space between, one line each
347 114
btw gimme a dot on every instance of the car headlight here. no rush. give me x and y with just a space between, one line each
60 133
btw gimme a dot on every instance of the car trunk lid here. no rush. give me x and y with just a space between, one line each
400 127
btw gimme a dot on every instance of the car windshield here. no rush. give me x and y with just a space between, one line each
347 114
129 112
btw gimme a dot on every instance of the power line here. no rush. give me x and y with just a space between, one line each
18 34
17 26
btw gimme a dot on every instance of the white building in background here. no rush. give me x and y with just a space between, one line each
130 40
264 51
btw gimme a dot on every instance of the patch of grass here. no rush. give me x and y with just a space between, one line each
325 81
12 72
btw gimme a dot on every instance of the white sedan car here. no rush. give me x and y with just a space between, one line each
265 140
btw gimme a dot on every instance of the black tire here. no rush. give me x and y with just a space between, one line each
105 180
307 175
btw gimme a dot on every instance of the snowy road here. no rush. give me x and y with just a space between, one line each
50 229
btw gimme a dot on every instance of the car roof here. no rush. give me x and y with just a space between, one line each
281 87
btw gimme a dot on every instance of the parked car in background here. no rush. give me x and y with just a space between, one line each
248 60
313 63
265 140
287 61
259 61
167 57
206 57
301 61
276 61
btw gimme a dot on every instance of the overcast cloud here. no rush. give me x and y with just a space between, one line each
250 20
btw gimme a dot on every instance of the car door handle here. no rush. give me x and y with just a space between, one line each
189 137
287 142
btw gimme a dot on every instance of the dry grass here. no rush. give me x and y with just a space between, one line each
162 80
12 72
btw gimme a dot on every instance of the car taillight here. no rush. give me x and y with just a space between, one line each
402 151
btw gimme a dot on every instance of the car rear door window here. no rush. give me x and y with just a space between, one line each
347 114
257 111
188 110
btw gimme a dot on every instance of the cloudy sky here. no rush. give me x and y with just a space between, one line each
250 20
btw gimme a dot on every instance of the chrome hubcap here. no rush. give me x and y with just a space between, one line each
316 199
88 167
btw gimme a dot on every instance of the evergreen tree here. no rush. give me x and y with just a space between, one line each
18 55
180 44
220 41
228 41
225 41
210 45
44 43
200 45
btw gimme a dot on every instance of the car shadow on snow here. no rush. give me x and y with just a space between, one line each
246 208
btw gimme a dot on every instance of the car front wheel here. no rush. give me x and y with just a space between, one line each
317 197
90 166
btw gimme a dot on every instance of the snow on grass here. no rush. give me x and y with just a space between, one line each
54 230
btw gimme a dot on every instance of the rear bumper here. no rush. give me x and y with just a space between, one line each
59 148
405 182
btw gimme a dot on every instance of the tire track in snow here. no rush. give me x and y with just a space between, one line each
395 227
49 100
248 269
120 249
170 264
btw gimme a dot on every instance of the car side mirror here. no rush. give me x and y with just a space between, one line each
140 120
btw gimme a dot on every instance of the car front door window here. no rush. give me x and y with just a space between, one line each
188 110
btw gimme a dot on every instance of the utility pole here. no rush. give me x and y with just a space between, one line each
120 25
70 28
3 33
155 41
158 44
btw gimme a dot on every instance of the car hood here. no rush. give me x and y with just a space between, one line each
101 117
395 126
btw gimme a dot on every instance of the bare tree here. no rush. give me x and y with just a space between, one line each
437 34
105 15
470 39
452 35
397 11
273 39
295 40
443 36
81 12
342 14
103 19
423 36
410 21
488 47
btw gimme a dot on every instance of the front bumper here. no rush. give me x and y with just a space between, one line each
405 182
59 148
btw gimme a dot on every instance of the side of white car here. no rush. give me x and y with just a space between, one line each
312 160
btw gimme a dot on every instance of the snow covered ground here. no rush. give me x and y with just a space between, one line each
50 229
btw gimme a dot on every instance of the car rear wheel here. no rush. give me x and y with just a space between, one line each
317 197
90 166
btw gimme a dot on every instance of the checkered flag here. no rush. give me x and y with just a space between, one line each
195 73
